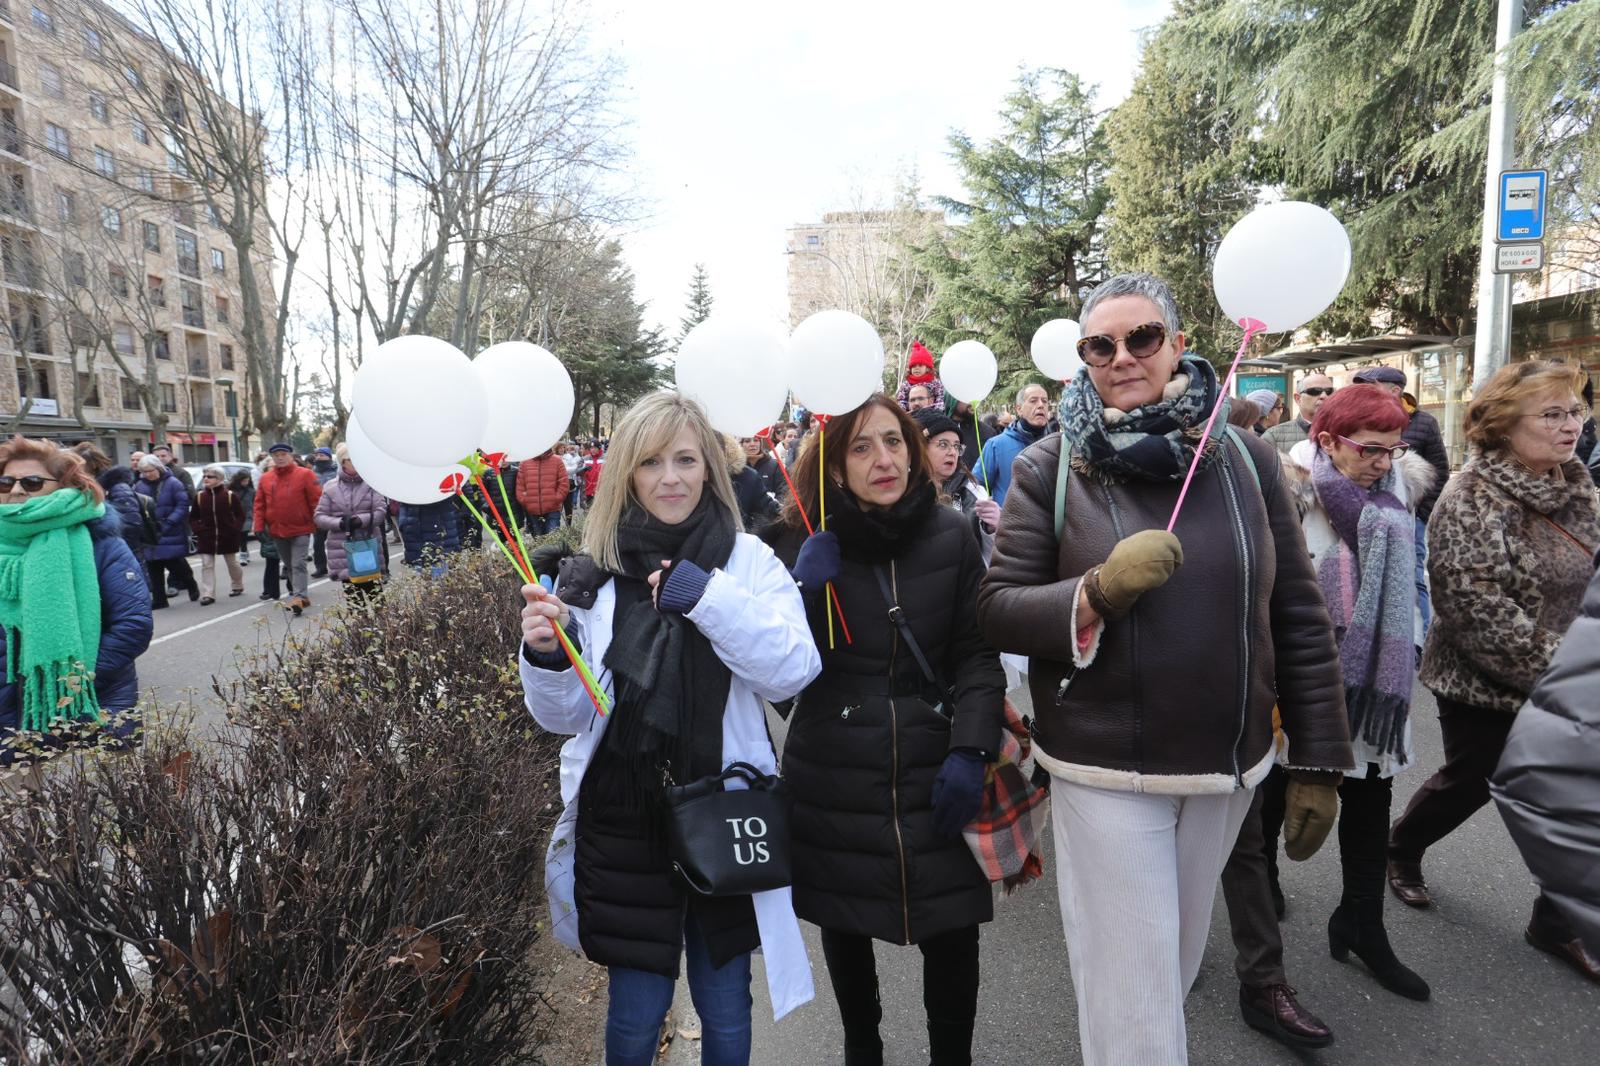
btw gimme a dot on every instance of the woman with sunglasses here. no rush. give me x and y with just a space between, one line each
1153 702
74 605
1511 548
1357 487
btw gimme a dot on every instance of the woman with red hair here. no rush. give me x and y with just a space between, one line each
1357 488
74 605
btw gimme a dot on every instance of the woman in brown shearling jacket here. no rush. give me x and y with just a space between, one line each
1156 660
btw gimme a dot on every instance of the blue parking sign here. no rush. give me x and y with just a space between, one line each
1521 205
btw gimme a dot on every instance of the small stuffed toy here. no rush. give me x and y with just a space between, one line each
919 371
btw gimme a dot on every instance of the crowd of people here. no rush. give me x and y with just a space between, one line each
1198 695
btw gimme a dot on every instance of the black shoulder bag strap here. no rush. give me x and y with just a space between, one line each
897 615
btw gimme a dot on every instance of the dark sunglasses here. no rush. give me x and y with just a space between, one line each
1142 342
31 483
1372 451
1318 391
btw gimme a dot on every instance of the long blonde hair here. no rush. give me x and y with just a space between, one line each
649 426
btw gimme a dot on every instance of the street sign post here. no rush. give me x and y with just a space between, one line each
1522 197
1517 258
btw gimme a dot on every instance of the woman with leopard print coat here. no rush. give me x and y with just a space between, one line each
1511 545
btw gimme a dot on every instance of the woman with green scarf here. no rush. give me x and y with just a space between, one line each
74 605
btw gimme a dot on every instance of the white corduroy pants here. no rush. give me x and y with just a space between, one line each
1137 874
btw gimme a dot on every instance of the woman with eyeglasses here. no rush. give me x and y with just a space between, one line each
1153 703
74 605
1511 548
957 485
1357 487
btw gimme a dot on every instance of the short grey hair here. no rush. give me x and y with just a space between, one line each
151 462
1149 286
1024 391
213 468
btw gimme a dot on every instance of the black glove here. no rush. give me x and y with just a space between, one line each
818 561
958 792
347 525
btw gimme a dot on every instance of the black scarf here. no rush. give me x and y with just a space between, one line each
878 535
671 685
1154 442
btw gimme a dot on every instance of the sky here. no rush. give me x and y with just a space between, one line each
745 119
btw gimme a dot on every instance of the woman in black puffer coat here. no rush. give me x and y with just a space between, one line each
885 766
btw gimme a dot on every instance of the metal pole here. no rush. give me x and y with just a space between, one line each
1493 344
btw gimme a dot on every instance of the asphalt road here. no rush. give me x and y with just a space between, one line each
1495 1000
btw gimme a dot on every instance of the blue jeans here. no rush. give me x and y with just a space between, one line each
1424 600
540 524
640 1001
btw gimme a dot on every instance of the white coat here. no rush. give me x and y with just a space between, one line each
752 614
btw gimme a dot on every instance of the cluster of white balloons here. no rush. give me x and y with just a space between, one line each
419 407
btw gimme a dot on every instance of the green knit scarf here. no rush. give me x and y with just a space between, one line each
50 605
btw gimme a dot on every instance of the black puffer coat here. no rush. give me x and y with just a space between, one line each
1427 440
865 742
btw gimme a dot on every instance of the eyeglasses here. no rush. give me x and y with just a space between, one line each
1372 451
1318 391
948 446
1142 342
1555 417
31 483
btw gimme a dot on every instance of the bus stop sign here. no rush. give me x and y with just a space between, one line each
1522 195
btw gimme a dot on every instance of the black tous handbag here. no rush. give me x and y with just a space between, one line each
730 842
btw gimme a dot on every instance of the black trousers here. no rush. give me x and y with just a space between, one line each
177 572
949 994
1257 944
1364 806
1474 737
319 551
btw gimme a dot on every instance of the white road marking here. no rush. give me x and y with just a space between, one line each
233 614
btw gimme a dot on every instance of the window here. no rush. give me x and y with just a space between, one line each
222 309
80 331
50 80
188 253
169 398
105 162
43 19
190 298
66 206
130 387
16 198
97 106
89 388
134 78
146 180
10 132
156 345
93 44
28 329
118 279
812 240
219 261
76 270
225 356
37 384
157 290
214 215
141 132
57 140
111 220
183 213
152 237
122 337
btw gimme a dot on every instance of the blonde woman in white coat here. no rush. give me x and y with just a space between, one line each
689 624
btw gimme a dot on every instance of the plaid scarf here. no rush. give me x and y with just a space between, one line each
1006 837
1152 442
1368 577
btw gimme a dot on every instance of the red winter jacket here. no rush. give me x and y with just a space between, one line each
591 476
285 501
542 483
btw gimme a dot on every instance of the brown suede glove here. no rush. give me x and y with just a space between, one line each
1135 566
1310 807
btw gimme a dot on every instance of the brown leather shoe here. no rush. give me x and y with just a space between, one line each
1572 952
1273 1010
1405 881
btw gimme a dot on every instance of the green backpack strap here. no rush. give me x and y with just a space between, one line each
1249 460
1061 485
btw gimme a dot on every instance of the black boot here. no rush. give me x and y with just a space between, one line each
1357 925
950 1042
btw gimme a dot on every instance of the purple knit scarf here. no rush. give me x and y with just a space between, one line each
1368 577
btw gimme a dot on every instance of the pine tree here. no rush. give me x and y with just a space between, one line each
1179 177
699 302
1031 247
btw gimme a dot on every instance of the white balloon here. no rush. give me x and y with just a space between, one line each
968 370
835 362
1055 349
530 400
736 369
395 478
419 401
1283 264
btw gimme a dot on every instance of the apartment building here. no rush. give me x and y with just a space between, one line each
105 241
854 260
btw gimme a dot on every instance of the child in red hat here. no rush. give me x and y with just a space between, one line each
919 371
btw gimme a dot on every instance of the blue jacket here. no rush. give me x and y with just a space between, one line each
172 516
431 527
122 498
125 625
994 468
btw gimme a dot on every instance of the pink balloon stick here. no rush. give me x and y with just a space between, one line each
1252 326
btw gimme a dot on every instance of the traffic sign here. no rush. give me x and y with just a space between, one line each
1516 258
1521 216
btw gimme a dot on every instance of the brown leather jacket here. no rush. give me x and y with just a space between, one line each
1177 697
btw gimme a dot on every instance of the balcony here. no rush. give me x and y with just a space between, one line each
8 77
194 317
5 11
189 265
11 140
25 275
205 415
199 366
15 205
